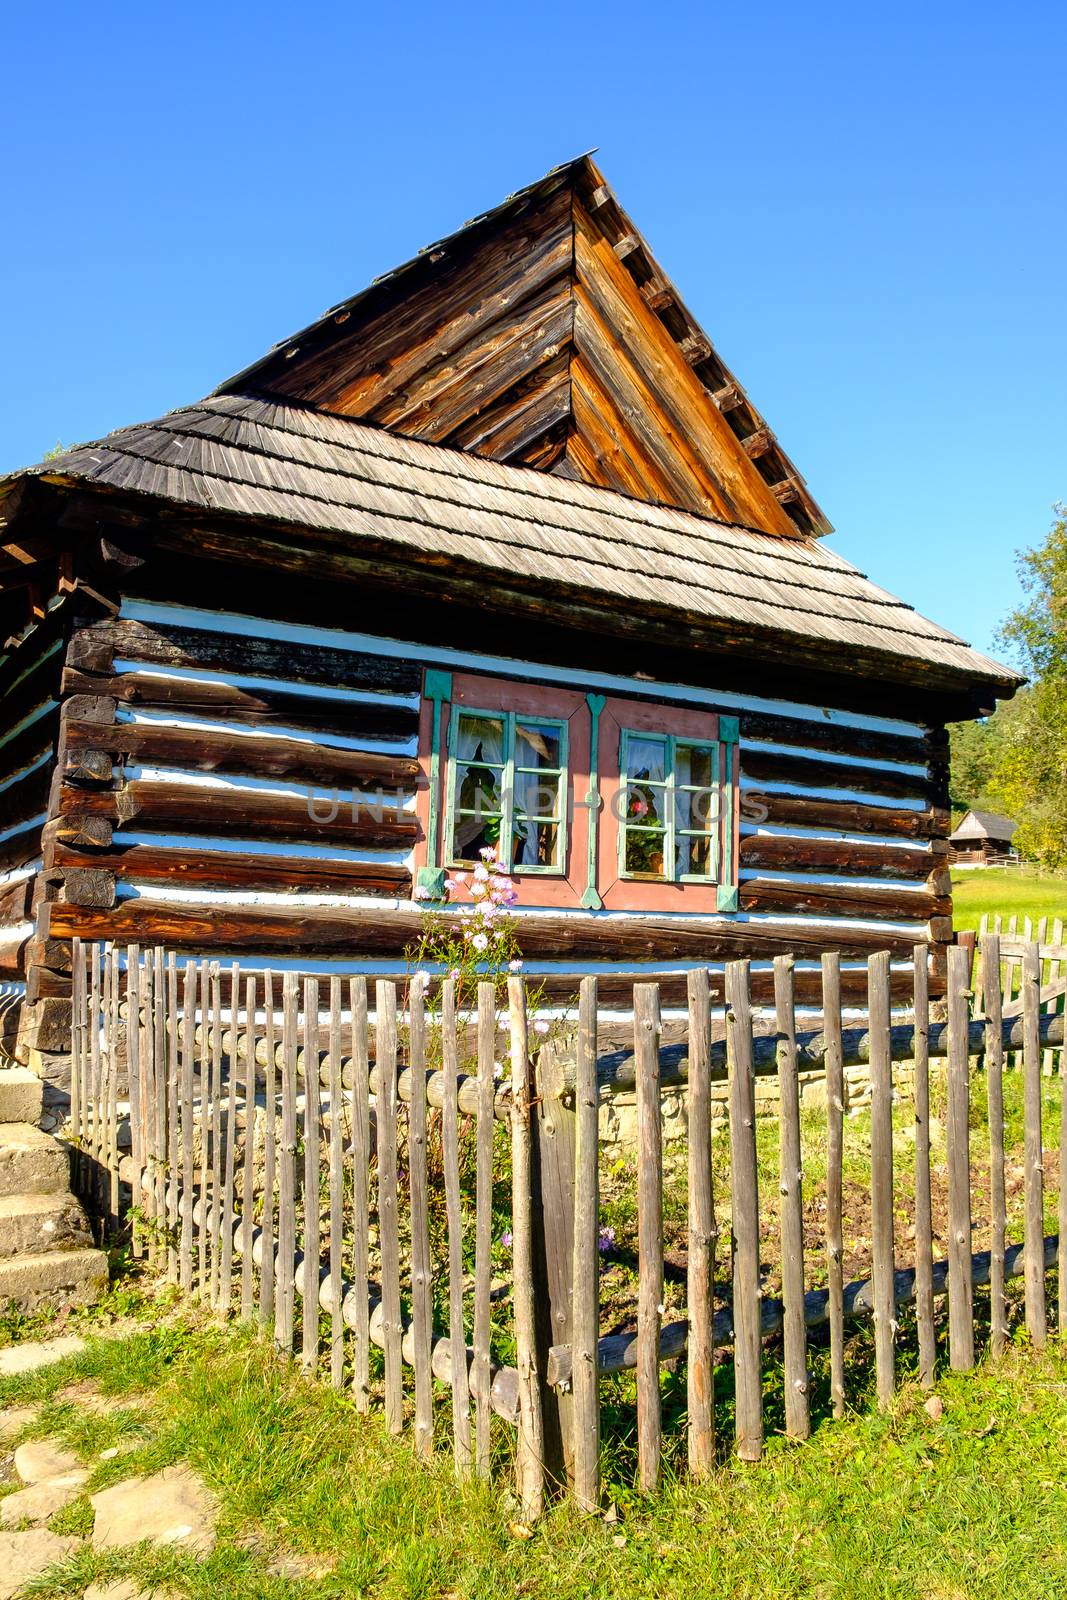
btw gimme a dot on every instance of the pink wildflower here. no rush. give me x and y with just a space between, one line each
540 1027
421 892
480 942
514 966
488 852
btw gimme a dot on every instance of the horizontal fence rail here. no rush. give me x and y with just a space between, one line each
409 1189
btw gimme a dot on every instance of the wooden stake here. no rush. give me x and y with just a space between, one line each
226 1261
248 1296
835 1146
173 1077
385 1054
360 1193
461 1440
270 1158
529 1449
215 1093
421 1279
285 1294
1034 1200
184 1177
797 1413
744 1214
882 1259
958 1143
700 1367
998 1209
924 1223
309 1361
337 1191
647 1031
585 1321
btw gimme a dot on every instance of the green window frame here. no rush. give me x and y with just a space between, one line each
631 828
507 820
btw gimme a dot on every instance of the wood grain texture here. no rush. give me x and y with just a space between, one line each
882 1240
924 1225
700 1268
649 1237
388 1218
791 1206
835 1135
1033 1170
745 1214
585 1322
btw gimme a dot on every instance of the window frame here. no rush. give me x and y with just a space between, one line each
671 789
559 818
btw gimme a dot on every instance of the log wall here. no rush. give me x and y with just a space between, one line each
199 752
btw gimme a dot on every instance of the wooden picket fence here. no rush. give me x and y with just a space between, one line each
365 1154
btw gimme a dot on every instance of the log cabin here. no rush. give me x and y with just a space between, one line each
496 552
981 838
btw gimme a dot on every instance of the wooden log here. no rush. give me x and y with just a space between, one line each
284 1294
817 899
998 1210
94 648
421 1268
649 1236
270 1160
483 1227
771 767
246 811
1033 1226
882 1262
372 931
802 854
783 810
226 869
585 1319
924 1224
958 1151
215 1097
553 1213
134 1069
797 1412
162 1101
461 1435
173 1079
248 1298
230 1153
309 1326
700 1271
388 1221
835 1136
186 1176
265 755
744 1215
361 1137
529 1447
336 1197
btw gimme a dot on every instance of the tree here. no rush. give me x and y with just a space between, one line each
1016 761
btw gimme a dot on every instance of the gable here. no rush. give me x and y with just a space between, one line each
545 334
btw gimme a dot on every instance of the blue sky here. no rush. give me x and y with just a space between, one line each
864 206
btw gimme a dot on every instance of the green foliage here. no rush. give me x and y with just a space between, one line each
1016 761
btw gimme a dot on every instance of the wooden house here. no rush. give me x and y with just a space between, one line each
982 837
501 528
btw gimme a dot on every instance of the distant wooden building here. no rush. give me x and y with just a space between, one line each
496 551
982 837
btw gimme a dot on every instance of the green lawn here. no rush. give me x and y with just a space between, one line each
969 1506
988 890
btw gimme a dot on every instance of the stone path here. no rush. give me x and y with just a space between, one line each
172 1507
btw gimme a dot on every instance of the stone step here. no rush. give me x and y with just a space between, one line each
35 1223
21 1094
34 1282
31 1161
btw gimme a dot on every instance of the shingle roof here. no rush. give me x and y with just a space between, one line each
984 825
258 458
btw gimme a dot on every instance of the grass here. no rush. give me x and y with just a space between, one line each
961 1508
989 890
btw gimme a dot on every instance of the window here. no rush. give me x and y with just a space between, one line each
508 789
593 802
669 813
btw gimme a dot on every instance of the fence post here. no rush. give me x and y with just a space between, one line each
586 1311
960 1290
994 1064
700 1366
553 1252
649 1234
790 1176
744 1208
885 1304
529 1451
835 1136
1034 1222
